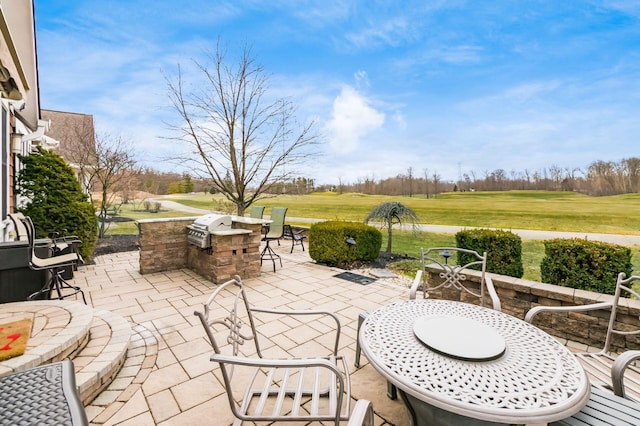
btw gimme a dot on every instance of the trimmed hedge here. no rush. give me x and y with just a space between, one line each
327 242
587 265
504 250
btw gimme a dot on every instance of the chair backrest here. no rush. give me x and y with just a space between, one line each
256 212
276 227
623 285
34 260
228 309
454 263
37 262
21 231
228 323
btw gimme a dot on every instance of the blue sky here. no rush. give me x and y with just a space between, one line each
444 87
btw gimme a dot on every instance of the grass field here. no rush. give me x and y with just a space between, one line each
132 212
541 210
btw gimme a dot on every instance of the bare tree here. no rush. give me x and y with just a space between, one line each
631 172
113 166
426 182
436 181
231 126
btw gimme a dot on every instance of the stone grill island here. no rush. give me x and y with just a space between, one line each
164 247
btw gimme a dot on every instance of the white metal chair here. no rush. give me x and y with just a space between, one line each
56 266
269 389
604 409
43 395
606 370
454 277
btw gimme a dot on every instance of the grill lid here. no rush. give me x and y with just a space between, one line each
213 222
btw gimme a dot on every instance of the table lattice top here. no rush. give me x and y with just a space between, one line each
537 379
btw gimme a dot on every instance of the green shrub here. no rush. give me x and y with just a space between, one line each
328 242
587 265
504 250
55 201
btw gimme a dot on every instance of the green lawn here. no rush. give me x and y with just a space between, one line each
135 212
408 243
542 210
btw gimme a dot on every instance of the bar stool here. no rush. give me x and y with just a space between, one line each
55 265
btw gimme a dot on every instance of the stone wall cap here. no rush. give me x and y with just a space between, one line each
250 220
168 219
231 232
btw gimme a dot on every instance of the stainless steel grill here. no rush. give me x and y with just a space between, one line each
199 232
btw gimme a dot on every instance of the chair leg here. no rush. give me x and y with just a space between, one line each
44 290
57 283
269 253
63 284
295 240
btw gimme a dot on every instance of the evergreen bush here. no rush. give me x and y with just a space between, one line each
328 242
504 250
55 201
587 265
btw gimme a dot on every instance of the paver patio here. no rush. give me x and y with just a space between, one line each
168 379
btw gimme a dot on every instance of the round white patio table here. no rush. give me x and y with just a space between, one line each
521 375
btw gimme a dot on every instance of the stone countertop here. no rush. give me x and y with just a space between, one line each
230 232
239 219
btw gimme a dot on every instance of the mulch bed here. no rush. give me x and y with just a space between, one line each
116 244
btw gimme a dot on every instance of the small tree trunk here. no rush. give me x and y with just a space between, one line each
389 236
102 217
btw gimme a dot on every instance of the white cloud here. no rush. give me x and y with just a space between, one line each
400 121
351 119
388 32
362 79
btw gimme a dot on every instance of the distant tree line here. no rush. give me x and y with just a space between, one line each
599 178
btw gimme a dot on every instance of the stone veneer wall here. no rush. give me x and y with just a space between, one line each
163 244
517 296
164 247
230 255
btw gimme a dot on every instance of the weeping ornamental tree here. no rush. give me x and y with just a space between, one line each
239 138
389 214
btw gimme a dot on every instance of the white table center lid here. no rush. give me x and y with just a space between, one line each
459 337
